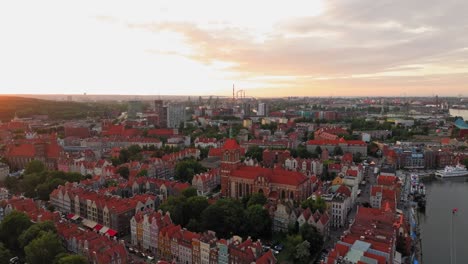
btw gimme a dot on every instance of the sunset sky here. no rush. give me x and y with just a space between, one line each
268 48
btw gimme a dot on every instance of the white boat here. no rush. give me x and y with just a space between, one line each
450 171
422 189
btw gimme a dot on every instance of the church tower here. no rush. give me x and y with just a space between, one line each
230 161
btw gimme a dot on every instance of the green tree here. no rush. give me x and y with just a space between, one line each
134 152
189 192
186 169
312 235
255 152
33 231
5 254
258 222
338 151
194 225
257 198
225 217
314 205
194 207
357 157
34 166
124 156
124 172
142 173
43 191
44 248
303 153
302 255
318 150
13 184
292 241
30 183
465 162
11 228
175 206
72 259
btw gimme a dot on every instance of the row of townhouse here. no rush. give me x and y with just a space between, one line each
306 166
35 212
142 185
353 146
96 248
202 142
155 232
207 181
155 167
102 144
84 167
183 154
376 233
321 221
100 210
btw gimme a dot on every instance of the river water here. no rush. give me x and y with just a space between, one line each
442 196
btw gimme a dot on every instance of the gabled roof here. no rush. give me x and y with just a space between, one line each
277 175
231 144
344 190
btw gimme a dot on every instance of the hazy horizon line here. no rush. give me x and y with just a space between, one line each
225 96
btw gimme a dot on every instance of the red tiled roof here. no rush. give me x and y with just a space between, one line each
215 152
162 132
335 142
231 144
351 172
267 258
387 180
276 175
344 190
22 150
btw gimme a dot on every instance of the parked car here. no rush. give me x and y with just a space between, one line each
279 247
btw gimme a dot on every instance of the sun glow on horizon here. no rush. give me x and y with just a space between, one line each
310 47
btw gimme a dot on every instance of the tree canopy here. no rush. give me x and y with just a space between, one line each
34 166
314 205
41 184
311 234
258 222
124 172
186 169
72 259
257 198
225 217
189 192
33 231
44 248
5 254
255 152
11 228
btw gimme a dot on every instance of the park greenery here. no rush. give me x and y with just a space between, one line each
187 168
56 110
37 182
227 217
35 243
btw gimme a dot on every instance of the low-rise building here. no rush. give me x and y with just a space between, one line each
4 171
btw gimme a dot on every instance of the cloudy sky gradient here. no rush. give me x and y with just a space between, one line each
268 48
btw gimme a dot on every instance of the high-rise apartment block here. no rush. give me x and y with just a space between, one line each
175 115
161 111
262 109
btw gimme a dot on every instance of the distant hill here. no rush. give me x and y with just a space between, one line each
26 107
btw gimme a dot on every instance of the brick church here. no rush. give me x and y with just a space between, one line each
239 180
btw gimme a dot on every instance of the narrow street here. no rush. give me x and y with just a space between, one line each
370 178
